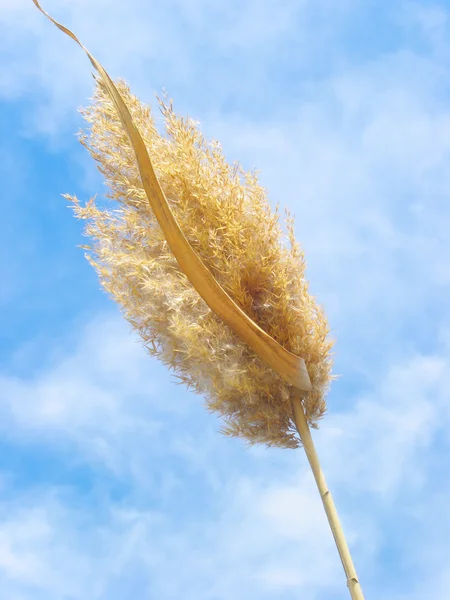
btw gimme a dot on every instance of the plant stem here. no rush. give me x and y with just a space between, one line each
327 500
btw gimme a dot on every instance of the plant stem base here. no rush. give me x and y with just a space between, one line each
327 500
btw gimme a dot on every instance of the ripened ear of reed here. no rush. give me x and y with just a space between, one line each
199 265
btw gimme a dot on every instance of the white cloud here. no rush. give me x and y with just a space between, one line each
230 523
394 425
190 47
259 531
361 156
49 547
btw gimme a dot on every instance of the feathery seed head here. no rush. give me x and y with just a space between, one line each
224 214
196 260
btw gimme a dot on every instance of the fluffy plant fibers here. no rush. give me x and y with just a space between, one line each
225 216
198 262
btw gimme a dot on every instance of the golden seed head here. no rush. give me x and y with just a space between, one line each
225 216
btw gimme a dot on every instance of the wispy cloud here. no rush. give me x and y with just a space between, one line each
260 530
114 482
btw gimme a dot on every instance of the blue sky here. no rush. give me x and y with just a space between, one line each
114 482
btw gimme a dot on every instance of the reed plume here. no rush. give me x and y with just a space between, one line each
226 218
201 268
